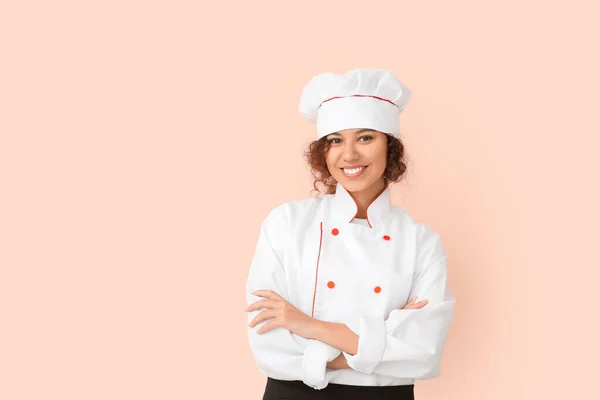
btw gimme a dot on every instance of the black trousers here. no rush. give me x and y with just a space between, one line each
297 390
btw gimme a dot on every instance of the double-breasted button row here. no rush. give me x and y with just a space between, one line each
336 231
331 285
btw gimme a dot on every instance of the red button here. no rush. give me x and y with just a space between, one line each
377 289
330 284
386 237
335 231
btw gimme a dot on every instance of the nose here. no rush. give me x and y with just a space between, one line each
350 152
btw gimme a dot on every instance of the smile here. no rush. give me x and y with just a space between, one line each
353 172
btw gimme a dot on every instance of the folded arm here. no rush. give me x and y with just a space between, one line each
279 353
410 342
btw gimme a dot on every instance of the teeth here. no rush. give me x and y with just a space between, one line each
353 171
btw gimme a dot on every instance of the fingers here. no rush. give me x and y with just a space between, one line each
411 305
264 304
268 294
265 314
268 326
419 304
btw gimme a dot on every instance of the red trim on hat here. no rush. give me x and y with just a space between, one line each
359 95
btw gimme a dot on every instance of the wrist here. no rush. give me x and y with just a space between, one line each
339 362
315 329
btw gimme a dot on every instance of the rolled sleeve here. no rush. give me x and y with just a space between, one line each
371 344
316 356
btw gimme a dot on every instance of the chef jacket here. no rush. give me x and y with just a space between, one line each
311 253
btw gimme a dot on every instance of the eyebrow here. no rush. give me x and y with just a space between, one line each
358 132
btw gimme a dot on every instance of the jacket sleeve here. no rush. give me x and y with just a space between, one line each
410 343
279 353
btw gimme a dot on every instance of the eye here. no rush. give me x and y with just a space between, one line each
366 136
333 140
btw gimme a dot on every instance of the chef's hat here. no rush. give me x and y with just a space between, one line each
361 98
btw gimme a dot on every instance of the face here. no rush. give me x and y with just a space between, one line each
357 158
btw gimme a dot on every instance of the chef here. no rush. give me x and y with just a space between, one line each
348 294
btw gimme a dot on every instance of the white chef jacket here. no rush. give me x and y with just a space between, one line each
311 254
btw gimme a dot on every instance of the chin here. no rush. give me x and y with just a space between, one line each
355 185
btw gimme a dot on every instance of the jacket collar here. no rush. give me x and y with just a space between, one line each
344 208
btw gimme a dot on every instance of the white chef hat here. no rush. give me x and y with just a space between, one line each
361 98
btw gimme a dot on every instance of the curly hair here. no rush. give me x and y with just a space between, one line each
395 169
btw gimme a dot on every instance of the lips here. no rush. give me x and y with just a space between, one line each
354 171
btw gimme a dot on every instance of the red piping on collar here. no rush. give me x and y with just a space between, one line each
372 201
359 95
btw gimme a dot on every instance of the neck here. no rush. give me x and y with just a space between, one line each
365 197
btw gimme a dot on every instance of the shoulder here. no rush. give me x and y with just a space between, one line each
427 240
291 211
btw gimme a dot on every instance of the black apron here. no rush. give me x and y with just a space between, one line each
297 390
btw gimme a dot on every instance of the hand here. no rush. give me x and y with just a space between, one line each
282 313
411 305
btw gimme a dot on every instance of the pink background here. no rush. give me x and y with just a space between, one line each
142 143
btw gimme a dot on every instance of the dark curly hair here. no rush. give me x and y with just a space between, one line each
315 156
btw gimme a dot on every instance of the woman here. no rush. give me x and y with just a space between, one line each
334 282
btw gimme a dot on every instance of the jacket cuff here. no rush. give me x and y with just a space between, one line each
314 363
371 343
